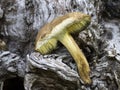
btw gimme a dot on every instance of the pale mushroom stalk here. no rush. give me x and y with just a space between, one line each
78 56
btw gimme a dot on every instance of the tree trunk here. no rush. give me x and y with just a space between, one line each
20 21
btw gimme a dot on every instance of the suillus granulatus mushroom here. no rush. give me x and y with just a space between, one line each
60 29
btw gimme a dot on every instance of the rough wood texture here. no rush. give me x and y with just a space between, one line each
49 73
20 21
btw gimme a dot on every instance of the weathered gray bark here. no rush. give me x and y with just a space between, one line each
20 21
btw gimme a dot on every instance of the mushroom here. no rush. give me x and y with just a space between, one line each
60 29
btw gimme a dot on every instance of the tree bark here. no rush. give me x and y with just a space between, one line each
20 20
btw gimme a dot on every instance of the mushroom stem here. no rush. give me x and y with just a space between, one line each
82 64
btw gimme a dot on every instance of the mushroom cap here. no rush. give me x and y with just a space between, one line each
50 33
